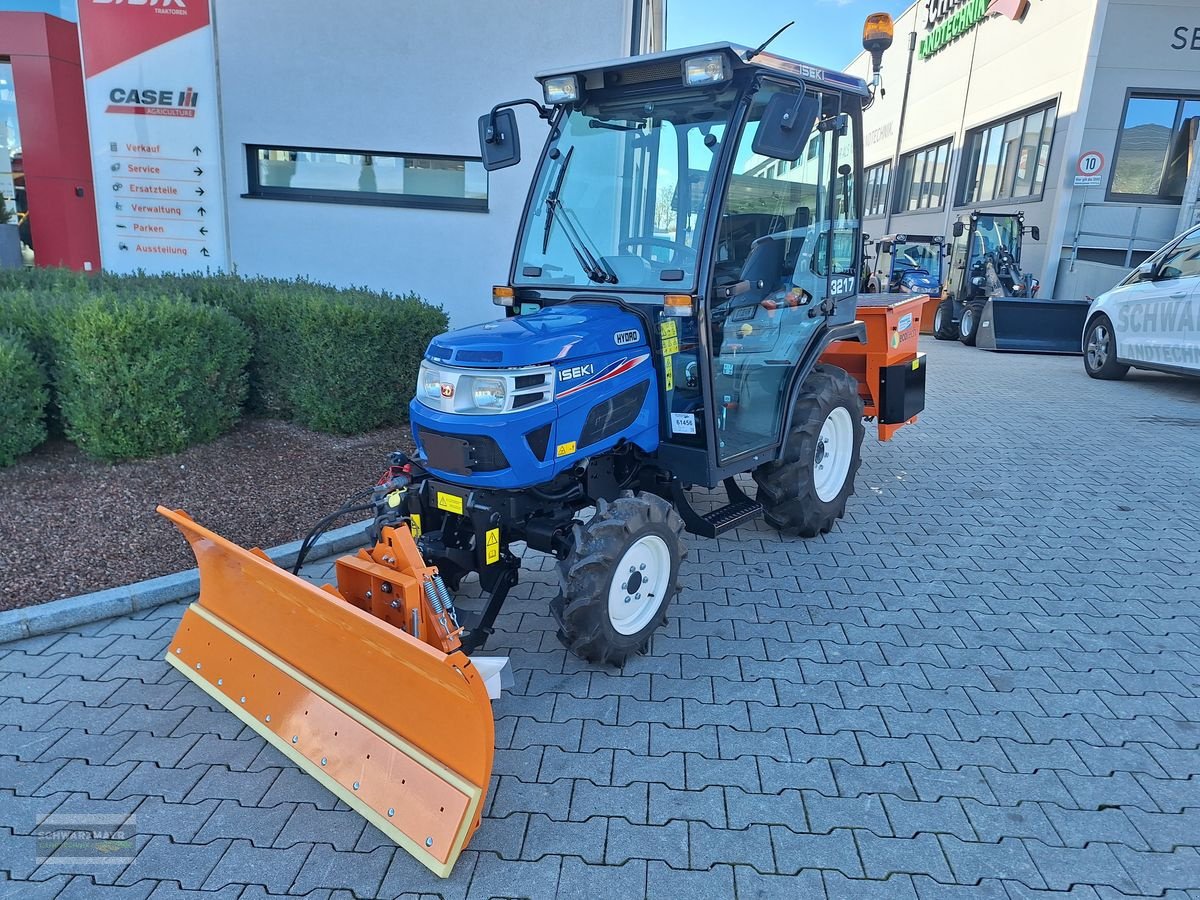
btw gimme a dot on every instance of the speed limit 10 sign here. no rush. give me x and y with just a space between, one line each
1089 167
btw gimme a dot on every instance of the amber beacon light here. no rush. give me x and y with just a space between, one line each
877 37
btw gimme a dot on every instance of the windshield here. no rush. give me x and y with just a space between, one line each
621 197
995 233
917 256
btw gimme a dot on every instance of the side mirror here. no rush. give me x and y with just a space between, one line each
1145 272
787 123
1035 232
957 231
499 141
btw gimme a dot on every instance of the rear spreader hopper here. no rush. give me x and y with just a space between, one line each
681 310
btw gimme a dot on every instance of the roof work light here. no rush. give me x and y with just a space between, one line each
561 89
710 68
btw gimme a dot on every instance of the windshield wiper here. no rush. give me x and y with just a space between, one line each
552 198
593 265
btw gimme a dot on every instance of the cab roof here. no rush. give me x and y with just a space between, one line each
667 62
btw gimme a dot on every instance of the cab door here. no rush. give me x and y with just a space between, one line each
786 259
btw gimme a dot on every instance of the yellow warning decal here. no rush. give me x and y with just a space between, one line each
492 549
916 364
566 449
414 524
669 332
668 375
449 503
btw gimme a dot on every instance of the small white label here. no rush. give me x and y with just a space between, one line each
905 322
624 338
683 423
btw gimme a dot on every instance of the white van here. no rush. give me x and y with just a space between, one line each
1151 320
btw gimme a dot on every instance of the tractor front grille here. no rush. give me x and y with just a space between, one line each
461 454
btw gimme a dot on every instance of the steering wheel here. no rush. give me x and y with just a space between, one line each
653 240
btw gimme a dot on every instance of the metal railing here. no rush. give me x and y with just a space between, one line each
1130 236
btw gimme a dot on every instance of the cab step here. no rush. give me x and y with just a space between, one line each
730 517
738 511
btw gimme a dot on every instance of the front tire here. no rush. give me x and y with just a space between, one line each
944 326
968 325
805 492
619 578
1100 351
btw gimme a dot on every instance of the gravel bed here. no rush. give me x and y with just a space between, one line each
70 525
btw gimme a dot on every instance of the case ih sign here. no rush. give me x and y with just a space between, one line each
951 19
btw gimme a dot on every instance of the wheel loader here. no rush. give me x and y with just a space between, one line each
985 263
681 310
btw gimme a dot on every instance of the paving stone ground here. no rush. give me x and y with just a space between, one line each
985 683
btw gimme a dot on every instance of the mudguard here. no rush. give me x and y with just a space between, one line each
399 730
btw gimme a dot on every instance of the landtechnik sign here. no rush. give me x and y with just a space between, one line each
152 117
951 19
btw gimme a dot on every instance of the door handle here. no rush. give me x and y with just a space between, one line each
1179 296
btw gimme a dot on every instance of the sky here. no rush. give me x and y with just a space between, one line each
827 33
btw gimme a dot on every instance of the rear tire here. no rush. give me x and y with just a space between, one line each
968 325
944 326
619 578
1100 351
805 492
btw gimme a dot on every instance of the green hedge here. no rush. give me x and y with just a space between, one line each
147 375
23 399
136 371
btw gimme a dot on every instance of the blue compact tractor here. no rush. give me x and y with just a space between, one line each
688 252
908 264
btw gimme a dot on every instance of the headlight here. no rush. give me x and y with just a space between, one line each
432 385
488 393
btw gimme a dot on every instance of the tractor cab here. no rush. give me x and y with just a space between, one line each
702 204
985 262
908 264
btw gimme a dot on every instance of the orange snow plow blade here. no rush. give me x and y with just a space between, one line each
398 729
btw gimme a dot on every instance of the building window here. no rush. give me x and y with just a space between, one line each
1152 148
366 178
921 183
1008 160
875 195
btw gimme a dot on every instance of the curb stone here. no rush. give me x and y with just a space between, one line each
55 615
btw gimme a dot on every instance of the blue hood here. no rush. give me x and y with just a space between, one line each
569 331
920 281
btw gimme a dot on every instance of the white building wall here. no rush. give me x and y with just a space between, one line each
374 75
998 68
1134 52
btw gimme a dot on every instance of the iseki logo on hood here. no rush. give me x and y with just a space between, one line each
153 102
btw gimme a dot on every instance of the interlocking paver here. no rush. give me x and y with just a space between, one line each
989 704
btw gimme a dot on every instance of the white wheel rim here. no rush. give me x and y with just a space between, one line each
639 585
938 319
835 446
968 321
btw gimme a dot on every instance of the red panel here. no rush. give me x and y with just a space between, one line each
119 31
48 80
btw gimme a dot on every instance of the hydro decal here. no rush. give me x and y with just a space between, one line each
612 370
951 19
151 102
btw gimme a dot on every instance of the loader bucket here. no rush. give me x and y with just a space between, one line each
400 731
1032 326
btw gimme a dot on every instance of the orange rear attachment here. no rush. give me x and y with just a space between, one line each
364 687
